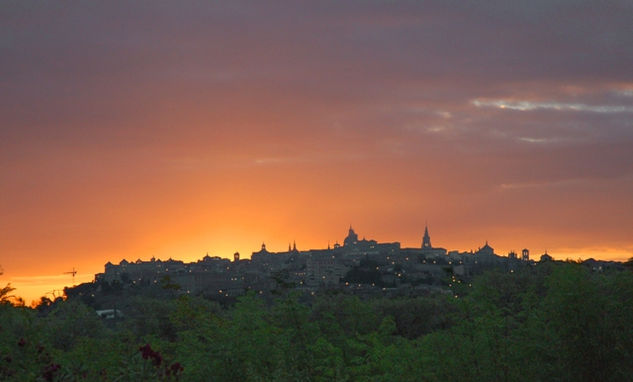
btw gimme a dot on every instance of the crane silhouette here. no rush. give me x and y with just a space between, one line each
73 272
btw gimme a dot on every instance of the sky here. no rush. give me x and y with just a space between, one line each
179 128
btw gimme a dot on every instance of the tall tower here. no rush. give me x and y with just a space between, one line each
525 254
426 240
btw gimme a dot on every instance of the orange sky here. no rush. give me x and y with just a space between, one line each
132 131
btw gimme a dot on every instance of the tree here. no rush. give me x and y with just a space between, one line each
5 291
591 315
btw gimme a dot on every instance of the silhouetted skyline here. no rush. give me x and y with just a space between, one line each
133 130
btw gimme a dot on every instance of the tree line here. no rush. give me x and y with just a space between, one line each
551 322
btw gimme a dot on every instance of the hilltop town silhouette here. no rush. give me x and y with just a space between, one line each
358 266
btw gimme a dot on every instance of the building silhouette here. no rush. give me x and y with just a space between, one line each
426 240
357 266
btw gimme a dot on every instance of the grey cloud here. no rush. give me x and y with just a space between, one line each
387 71
552 105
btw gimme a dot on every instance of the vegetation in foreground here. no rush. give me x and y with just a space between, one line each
553 322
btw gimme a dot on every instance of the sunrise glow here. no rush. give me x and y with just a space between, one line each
184 129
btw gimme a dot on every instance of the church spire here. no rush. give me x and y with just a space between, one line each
426 240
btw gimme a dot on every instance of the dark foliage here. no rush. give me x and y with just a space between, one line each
551 322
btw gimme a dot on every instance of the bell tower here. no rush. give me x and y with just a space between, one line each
426 240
